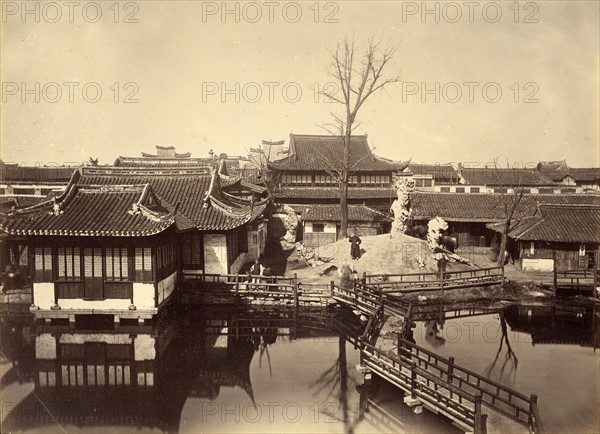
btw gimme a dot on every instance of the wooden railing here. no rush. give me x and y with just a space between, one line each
257 286
368 299
445 397
577 279
502 399
413 282
432 378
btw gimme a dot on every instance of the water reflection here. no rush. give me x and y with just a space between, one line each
548 350
279 370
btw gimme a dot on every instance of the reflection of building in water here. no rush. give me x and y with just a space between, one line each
99 378
557 324
140 375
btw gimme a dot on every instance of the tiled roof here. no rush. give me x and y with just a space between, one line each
22 201
93 211
98 203
15 173
559 223
356 213
307 152
472 207
154 161
432 169
189 190
334 193
589 174
503 177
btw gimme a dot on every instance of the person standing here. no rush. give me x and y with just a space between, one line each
354 246
255 271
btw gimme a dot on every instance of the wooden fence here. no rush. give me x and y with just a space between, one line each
415 282
579 280
243 286
453 390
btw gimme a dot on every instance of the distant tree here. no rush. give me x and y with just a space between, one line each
510 203
260 162
359 72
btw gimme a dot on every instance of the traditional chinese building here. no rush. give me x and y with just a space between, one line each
118 240
306 174
587 178
468 214
565 237
320 223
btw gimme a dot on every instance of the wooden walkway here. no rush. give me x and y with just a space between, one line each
577 280
427 378
417 282
237 288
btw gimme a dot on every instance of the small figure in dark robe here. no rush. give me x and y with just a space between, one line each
355 246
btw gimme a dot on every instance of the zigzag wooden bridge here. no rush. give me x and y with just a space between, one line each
236 288
416 282
428 379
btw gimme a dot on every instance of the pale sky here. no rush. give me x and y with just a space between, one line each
183 56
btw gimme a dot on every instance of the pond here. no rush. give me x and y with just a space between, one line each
276 371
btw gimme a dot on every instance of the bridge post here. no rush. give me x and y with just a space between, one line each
295 290
450 371
332 286
364 278
413 380
442 282
532 413
478 418
237 287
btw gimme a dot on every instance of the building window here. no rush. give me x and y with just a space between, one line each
546 190
474 190
318 227
423 182
353 180
500 190
567 190
296 179
374 180
324 180
582 250
116 264
532 248
445 189
460 189
143 264
43 264
30 191
68 263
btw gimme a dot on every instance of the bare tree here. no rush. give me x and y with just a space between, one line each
510 205
260 162
359 72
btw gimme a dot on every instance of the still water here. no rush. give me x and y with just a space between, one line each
274 371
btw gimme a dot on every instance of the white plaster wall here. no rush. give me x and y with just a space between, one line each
166 287
45 347
538 264
82 338
215 254
330 227
144 347
143 295
43 294
109 303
